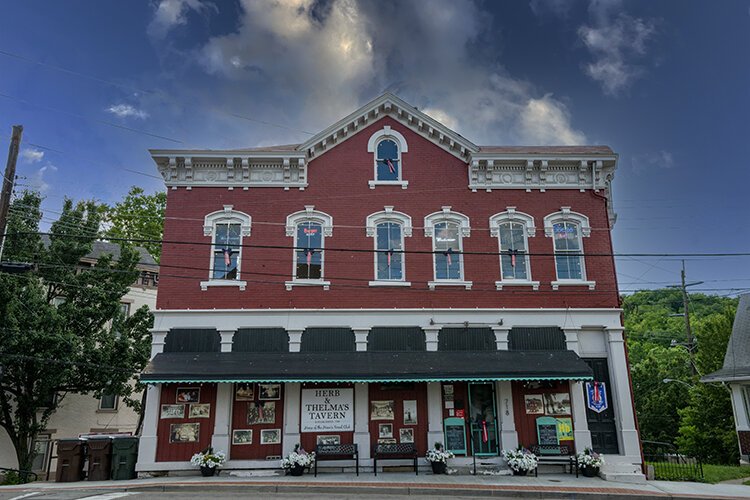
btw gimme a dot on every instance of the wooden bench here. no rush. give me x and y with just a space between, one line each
336 452
555 455
394 451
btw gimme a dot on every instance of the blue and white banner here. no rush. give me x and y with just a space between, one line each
596 396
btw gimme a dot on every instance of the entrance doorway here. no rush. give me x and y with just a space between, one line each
483 418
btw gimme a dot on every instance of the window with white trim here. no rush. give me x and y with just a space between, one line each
447 230
309 228
514 257
567 229
108 402
227 228
387 146
389 228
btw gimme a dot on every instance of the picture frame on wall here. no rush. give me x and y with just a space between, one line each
188 395
263 412
410 412
172 411
328 439
382 410
184 433
200 410
387 441
270 436
385 431
534 404
242 437
244 392
269 392
406 435
557 403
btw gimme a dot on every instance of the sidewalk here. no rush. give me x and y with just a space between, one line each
546 486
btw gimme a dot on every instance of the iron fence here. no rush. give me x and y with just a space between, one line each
671 465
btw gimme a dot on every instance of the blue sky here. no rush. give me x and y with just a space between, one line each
666 84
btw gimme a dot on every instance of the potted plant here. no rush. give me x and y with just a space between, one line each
296 462
589 462
438 458
208 461
520 460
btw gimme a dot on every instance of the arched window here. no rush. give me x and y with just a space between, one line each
309 229
389 229
447 230
227 228
512 229
387 146
567 229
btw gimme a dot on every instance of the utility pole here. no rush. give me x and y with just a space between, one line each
689 342
8 181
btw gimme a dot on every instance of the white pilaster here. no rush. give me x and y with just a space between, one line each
223 416
623 400
361 420
434 414
292 395
508 434
738 404
360 338
501 337
581 432
147 443
431 337
571 340
158 339
226 340
295 340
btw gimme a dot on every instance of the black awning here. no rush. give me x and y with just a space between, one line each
363 366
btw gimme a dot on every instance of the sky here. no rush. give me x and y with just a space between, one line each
666 84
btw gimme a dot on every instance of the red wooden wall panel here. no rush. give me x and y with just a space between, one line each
180 452
398 393
256 450
526 423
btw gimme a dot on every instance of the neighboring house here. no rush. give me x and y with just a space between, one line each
736 374
81 414
388 281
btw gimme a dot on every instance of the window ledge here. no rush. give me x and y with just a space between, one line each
559 283
240 284
114 410
466 284
500 284
403 184
390 283
291 284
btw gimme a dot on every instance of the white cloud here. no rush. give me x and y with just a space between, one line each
652 160
547 121
31 155
171 13
127 111
37 179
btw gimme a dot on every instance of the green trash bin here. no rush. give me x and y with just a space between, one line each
124 457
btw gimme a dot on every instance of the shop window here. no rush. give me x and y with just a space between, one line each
387 146
567 229
447 230
309 229
227 228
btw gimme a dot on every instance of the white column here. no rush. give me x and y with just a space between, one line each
147 443
360 337
623 400
738 404
506 416
223 416
362 420
581 433
434 414
501 337
158 339
295 340
226 340
292 394
431 337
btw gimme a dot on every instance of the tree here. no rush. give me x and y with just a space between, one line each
138 216
61 329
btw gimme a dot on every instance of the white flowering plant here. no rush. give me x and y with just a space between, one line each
438 454
589 458
298 457
209 458
520 459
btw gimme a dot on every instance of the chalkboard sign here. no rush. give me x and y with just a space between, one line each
455 435
546 430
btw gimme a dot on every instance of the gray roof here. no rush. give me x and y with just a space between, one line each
100 248
737 359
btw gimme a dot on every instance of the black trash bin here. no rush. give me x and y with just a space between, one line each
70 454
100 458
124 457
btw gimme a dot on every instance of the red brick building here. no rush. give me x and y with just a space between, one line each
387 281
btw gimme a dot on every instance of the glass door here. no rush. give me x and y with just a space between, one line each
483 420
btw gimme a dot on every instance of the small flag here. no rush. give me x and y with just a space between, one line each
391 167
227 256
485 436
309 253
448 256
389 254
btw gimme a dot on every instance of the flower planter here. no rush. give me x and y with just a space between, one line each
439 467
520 472
297 470
589 471
208 471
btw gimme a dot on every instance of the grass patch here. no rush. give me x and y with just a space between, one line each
718 473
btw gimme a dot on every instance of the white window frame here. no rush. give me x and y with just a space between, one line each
44 437
309 214
387 133
371 223
464 231
511 215
226 216
113 409
584 231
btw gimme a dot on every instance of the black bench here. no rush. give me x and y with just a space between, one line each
555 455
394 451
336 452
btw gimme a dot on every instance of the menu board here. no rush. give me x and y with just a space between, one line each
455 435
546 430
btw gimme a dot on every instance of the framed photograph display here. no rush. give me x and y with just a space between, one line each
406 435
270 436
261 413
188 395
387 441
184 433
382 410
200 410
557 403
410 412
329 439
244 392
534 404
172 411
242 436
269 392
385 431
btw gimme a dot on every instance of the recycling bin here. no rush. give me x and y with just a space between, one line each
70 455
124 457
100 458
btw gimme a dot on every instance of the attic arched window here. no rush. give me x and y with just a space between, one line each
387 146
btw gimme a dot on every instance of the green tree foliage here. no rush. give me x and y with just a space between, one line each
61 329
138 216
